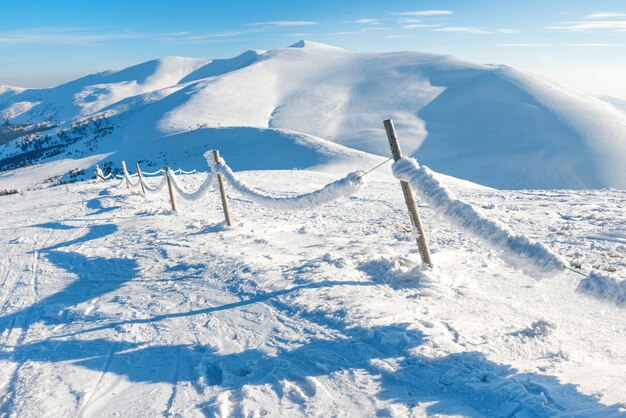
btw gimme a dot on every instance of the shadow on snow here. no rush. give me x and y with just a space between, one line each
462 383
96 276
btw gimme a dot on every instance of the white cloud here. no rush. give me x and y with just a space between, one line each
595 45
396 36
214 35
584 25
364 30
61 36
284 23
425 13
605 15
408 20
521 45
462 29
419 25
366 21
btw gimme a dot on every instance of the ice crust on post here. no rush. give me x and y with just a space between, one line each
464 215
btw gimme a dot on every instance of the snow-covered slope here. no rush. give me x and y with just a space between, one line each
90 94
488 124
112 305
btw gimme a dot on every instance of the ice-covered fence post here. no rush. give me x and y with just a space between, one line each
99 172
125 173
220 181
409 198
140 175
171 189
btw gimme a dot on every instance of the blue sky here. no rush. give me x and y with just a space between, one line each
581 44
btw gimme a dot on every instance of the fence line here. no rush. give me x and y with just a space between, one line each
407 170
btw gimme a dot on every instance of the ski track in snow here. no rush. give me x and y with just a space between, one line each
111 305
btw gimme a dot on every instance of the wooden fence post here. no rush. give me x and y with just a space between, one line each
409 198
140 175
125 173
99 172
171 189
220 180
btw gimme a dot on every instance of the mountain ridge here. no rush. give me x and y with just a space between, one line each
489 124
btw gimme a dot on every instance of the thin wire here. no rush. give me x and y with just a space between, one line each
575 271
379 165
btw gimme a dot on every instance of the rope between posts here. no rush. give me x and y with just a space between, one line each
575 271
378 166
201 191
343 187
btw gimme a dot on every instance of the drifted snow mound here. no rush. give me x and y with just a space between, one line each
489 124
603 286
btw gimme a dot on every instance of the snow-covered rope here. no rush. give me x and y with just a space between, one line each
156 188
346 186
201 191
181 171
155 173
130 182
469 218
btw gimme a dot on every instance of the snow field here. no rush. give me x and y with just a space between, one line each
111 304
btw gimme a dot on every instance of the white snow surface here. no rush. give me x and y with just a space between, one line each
110 304
491 125
604 286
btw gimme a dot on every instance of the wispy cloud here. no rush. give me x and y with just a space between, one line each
200 37
365 21
615 21
419 25
522 45
606 15
354 32
284 23
61 36
617 25
462 29
584 45
424 13
596 45
396 36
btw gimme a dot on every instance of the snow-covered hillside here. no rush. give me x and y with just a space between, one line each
112 305
489 124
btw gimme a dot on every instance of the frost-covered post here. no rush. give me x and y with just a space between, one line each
171 189
125 173
409 198
99 172
140 175
220 181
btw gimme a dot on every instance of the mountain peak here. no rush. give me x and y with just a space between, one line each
310 44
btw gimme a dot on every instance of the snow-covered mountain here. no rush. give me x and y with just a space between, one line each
492 125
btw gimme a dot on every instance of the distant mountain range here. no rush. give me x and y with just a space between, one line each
286 107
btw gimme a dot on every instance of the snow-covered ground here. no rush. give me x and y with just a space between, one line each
110 304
